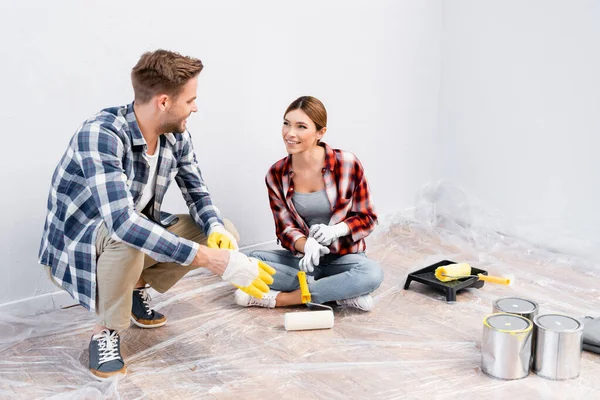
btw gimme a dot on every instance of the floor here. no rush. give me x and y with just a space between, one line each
414 345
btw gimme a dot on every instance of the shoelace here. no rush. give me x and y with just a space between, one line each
146 300
266 300
107 346
355 302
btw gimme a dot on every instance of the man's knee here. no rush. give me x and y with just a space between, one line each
231 229
186 227
119 258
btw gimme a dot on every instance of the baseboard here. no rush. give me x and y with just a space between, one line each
271 244
61 299
38 304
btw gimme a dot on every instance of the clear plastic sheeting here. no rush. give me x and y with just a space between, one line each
412 345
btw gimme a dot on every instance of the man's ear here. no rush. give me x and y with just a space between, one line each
162 102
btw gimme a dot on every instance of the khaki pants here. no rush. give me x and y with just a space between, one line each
120 266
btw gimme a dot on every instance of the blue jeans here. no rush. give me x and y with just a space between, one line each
335 278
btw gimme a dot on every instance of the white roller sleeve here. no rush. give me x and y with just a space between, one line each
305 320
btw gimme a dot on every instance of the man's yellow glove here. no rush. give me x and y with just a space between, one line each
220 238
259 287
248 274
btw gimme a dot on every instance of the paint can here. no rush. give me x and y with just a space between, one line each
559 346
506 346
523 307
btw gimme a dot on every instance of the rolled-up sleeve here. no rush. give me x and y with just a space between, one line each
361 218
286 228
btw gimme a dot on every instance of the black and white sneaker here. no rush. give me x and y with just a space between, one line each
141 313
105 354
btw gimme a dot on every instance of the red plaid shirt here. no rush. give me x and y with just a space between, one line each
348 193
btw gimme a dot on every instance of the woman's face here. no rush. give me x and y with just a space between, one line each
299 132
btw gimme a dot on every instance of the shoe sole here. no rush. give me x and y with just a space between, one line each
369 308
102 376
147 326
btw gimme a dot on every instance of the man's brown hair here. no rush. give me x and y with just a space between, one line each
162 71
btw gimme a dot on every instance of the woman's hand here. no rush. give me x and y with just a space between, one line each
313 252
325 234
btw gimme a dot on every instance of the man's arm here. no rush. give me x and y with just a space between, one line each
99 152
194 190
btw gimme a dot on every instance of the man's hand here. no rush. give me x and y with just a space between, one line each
220 238
326 234
248 274
312 254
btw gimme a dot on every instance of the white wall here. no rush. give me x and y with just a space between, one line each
375 65
520 113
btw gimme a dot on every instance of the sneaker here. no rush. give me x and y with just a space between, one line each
364 303
141 313
105 354
245 300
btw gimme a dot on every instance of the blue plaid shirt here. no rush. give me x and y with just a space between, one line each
100 178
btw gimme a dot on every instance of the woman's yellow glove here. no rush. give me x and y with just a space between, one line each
220 238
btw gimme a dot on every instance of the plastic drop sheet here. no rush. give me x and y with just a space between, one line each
413 345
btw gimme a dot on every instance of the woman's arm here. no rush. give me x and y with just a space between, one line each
287 230
361 219
299 244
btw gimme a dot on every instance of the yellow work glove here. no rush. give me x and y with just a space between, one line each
220 238
259 287
248 274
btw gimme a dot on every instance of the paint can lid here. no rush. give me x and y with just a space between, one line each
515 305
557 323
507 322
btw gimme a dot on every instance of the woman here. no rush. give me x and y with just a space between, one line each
322 208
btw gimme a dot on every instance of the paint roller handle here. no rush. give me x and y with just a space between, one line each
494 279
304 287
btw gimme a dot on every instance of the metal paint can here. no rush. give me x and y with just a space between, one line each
559 346
506 346
524 307
515 305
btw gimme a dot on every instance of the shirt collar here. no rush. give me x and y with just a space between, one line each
136 134
329 157
328 164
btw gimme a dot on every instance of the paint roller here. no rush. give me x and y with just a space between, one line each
306 320
452 272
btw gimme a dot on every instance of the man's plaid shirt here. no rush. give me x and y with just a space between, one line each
100 179
348 193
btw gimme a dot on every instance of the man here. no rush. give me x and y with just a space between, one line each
105 237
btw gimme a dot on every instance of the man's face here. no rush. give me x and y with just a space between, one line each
180 108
